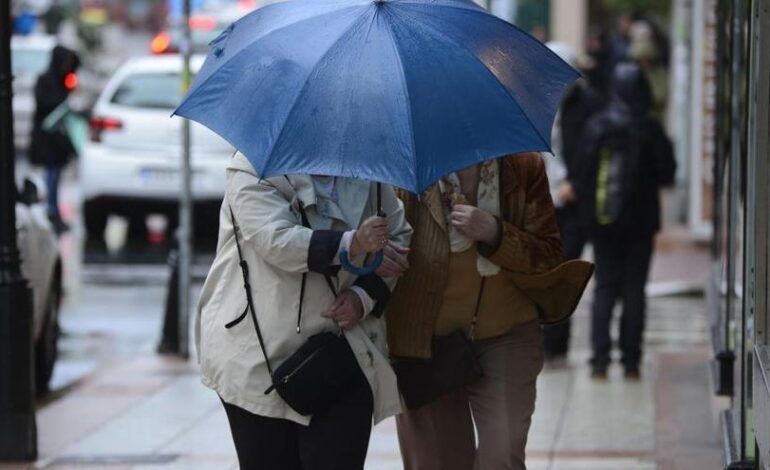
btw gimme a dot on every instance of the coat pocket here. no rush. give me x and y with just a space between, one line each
237 319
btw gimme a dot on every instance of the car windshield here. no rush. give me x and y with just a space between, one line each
150 90
30 61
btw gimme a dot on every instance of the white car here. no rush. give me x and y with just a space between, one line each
41 267
131 163
30 56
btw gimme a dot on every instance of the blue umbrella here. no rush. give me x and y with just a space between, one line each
395 91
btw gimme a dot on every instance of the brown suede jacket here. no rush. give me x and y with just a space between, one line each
529 243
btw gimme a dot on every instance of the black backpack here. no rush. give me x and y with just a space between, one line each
617 174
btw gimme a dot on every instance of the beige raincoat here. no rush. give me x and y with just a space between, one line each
276 247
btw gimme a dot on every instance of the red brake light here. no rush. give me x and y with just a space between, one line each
203 23
70 81
100 124
247 4
161 43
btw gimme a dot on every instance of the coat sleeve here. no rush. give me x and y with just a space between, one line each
377 288
266 222
535 247
663 152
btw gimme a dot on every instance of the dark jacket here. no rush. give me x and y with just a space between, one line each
52 148
581 103
645 164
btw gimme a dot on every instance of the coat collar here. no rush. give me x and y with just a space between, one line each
431 197
507 175
354 195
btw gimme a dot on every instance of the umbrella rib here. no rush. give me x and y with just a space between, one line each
469 52
507 91
408 103
497 19
244 49
305 85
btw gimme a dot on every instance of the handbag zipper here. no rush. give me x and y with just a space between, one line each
302 364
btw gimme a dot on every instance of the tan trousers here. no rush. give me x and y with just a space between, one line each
440 435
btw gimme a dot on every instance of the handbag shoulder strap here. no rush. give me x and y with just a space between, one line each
245 269
475 318
247 287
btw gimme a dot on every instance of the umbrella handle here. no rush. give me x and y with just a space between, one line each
363 270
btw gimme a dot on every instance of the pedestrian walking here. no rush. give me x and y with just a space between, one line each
287 234
53 148
580 103
598 64
644 51
473 229
405 94
625 159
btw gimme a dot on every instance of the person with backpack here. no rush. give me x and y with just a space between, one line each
580 103
625 159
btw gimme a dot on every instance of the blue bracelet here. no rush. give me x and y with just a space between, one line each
363 270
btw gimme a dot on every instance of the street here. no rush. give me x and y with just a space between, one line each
116 403
122 406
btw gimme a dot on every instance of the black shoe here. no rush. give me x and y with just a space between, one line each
632 373
599 373
59 226
556 361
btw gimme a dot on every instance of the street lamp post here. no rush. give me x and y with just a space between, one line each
18 431
185 201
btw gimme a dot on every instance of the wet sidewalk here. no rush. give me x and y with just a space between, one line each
149 412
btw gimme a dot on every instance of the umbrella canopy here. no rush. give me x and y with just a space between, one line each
397 91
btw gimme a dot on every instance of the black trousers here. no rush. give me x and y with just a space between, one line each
573 238
622 265
336 439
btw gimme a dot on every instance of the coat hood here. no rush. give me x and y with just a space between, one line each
631 89
63 61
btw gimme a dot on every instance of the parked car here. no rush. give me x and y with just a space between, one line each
41 266
131 164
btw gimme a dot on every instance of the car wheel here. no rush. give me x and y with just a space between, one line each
46 347
95 216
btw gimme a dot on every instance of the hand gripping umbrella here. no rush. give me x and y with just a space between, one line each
394 91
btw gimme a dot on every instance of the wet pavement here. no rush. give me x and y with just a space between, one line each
118 405
139 410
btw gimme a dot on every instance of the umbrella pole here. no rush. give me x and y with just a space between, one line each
380 212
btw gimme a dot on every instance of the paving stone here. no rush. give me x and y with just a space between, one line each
151 424
209 437
615 415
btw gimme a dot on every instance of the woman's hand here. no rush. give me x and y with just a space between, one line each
475 224
370 237
395 262
346 311
567 192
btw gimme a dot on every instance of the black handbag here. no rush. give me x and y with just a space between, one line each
453 364
312 378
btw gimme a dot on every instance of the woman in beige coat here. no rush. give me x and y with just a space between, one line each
279 249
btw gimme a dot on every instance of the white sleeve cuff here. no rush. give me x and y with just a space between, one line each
345 242
366 301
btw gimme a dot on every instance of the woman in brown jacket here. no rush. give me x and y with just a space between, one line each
485 222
